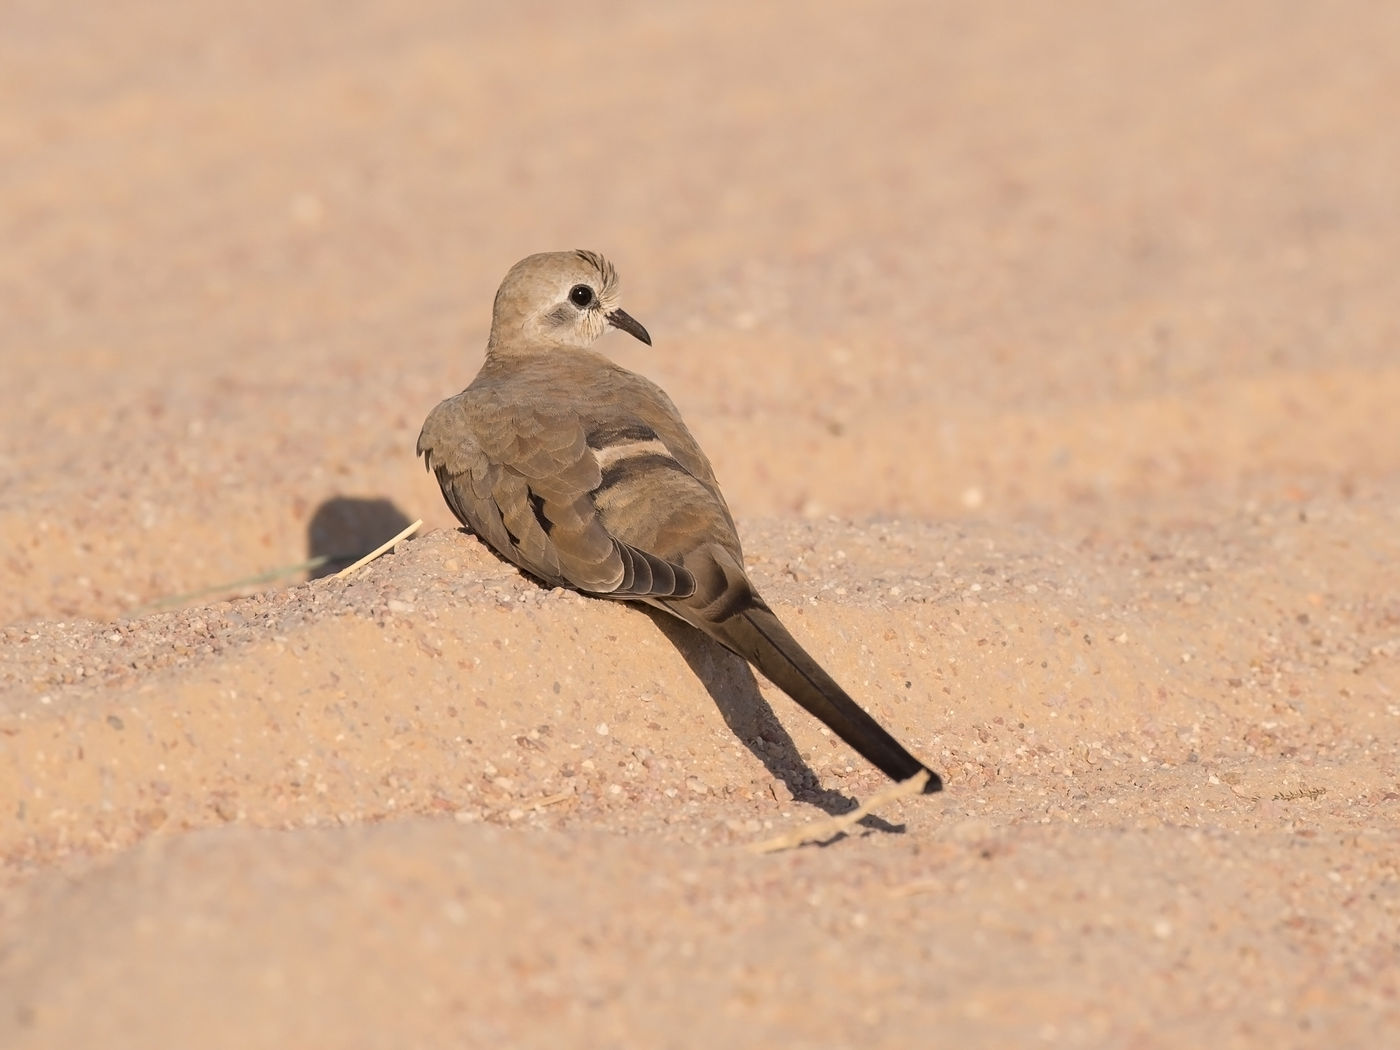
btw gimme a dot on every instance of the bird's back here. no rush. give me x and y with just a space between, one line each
571 420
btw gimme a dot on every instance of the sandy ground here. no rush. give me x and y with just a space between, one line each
1050 364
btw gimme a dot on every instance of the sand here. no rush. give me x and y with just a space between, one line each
1048 358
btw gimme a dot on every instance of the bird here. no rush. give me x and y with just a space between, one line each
583 474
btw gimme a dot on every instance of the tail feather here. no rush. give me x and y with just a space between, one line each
759 636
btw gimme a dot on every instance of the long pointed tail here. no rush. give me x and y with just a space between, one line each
759 636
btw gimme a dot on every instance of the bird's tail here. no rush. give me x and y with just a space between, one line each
759 636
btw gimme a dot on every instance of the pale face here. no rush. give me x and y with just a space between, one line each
559 299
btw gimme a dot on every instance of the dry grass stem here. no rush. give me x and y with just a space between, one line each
821 830
382 548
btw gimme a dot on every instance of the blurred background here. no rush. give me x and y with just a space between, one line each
1082 265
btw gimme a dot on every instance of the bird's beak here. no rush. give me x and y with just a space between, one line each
622 319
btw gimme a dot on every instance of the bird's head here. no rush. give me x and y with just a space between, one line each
558 299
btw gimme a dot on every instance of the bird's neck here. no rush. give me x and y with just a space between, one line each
512 355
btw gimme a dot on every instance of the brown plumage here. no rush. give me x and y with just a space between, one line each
583 474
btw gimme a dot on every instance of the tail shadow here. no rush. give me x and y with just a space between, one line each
345 528
731 684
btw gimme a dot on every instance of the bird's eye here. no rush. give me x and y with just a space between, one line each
581 295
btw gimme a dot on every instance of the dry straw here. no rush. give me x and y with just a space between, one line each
382 548
823 830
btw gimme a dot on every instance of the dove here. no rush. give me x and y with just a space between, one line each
583 474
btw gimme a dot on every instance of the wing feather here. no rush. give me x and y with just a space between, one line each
526 485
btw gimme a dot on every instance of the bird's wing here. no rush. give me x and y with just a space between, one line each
525 479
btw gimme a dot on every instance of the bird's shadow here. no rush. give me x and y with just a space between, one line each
345 528
731 684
